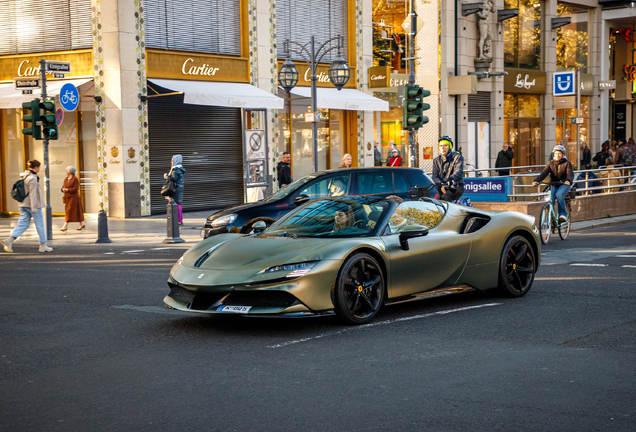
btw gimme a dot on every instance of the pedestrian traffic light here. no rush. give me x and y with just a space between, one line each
425 107
31 114
49 126
412 109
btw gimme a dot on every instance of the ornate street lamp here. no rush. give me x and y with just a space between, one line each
339 74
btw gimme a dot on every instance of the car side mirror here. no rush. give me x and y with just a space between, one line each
259 227
301 199
409 232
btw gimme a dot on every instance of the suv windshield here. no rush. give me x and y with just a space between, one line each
340 218
290 188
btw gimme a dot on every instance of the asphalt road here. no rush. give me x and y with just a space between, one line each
87 346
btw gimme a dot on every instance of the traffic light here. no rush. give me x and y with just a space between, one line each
425 107
49 127
31 114
412 109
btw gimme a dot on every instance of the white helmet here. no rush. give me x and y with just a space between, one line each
559 148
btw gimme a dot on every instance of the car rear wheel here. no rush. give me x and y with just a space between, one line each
516 267
359 291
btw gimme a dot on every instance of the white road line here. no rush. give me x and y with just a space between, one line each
109 253
545 264
379 323
628 266
151 309
625 256
589 265
133 251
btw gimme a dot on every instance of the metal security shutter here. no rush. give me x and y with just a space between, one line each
210 141
44 25
209 26
299 20
479 107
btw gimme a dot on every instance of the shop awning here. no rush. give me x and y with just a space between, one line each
345 99
223 94
12 98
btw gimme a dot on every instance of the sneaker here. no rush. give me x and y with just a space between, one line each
45 248
8 244
562 219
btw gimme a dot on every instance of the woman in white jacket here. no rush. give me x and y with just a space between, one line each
31 207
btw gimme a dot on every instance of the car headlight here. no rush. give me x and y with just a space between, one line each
178 263
296 270
224 220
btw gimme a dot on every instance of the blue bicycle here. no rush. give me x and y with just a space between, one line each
549 219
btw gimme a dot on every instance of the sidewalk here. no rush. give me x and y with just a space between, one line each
151 230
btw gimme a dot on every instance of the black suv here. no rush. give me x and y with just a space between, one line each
407 183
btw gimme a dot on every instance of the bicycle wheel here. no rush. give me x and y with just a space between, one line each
564 228
545 223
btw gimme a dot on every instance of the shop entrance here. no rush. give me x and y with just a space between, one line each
477 153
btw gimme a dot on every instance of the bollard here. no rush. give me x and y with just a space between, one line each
173 224
102 228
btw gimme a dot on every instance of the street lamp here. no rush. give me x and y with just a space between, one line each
339 74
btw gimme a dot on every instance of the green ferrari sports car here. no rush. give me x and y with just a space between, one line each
352 255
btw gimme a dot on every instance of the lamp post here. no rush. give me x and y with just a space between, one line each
339 74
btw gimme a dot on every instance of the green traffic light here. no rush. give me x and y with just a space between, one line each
33 108
48 119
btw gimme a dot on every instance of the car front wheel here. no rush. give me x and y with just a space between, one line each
516 267
359 290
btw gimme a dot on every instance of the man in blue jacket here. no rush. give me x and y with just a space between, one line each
448 171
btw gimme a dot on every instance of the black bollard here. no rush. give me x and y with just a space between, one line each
173 224
102 228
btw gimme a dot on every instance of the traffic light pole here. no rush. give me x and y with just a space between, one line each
413 32
45 146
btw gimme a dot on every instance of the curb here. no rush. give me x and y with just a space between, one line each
600 223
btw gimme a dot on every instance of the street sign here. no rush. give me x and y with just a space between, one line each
27 92
58 75
63 67
26 83
563 83
59 116
406 25
578 120
607 85
310 117
69 97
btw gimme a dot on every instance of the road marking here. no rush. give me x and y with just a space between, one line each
589 265
151 309
628 266
625 256
134 251
109 253
379 323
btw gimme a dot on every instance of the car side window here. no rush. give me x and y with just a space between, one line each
423 213
329 186
374 182
400 183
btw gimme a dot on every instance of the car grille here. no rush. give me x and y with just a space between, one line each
263 298
181 294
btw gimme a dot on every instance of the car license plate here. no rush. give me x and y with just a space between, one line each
235 309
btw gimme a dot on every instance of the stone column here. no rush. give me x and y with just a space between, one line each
595 55
365 152
548 59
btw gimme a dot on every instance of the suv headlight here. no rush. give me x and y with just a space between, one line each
296 270
224 220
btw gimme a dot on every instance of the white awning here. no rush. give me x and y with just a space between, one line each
12 98
222 94
345 99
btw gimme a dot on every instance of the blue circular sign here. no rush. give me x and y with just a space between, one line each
69 97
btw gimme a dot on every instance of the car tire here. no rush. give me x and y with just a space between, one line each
517 267
359 290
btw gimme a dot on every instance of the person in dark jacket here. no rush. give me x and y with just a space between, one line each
284 171
177 173
586 157
603 155
561 178
504 159
448 171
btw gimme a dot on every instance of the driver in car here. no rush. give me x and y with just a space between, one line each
337 188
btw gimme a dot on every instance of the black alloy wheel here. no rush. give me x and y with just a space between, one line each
359 291
516 267
545 223
564 229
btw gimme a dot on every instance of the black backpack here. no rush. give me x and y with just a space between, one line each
19 192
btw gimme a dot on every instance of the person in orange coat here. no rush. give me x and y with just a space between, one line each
74 210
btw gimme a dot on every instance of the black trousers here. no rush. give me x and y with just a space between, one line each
450 196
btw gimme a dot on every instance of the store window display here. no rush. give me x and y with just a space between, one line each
523 128
522 35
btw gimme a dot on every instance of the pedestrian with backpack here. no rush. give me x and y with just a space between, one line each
28 193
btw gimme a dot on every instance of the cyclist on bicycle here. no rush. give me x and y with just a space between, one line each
561 175
448 171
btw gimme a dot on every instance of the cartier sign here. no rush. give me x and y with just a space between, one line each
524 81
189 68
193 66
379 77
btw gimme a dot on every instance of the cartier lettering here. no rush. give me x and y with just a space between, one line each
24 70
191 69
377 77
524 83
235 102
322 77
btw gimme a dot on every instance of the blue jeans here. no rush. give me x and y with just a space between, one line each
25 220
559 193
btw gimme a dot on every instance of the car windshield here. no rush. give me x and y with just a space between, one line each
287 190
340 218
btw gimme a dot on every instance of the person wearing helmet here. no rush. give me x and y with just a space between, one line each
561 177
448 171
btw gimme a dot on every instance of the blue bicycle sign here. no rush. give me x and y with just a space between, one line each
69 97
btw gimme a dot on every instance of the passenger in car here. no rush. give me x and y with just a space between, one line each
343 219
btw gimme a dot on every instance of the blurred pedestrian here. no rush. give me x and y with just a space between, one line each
602 155
395 160
377 155
504 159
283 171
30 207
176 174
394 148
610 175
586 157
620 151
346 161
73 209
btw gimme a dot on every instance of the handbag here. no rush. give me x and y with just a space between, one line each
169 188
